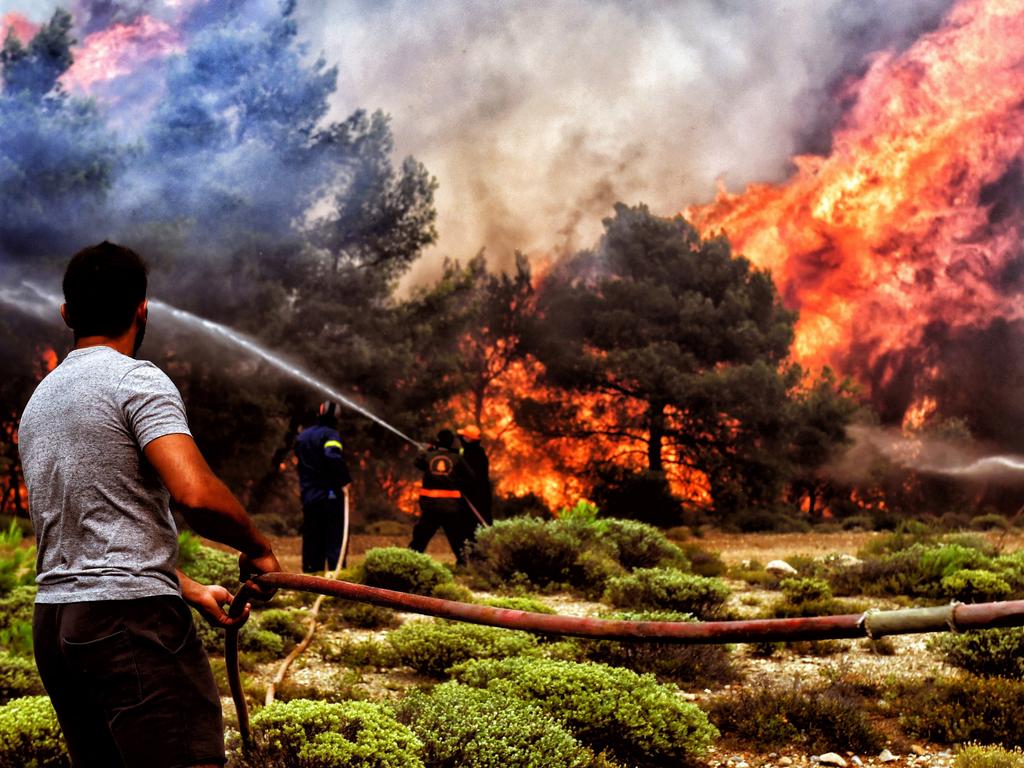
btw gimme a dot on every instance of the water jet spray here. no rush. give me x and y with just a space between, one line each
40 303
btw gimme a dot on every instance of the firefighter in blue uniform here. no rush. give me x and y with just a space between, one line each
446 476
323 476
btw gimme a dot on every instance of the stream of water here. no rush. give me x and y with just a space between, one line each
40 303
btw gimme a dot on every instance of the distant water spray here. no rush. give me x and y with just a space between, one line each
922 453
39 303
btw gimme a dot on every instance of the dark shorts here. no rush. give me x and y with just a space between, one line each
130 682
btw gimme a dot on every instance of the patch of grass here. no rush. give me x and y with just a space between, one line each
816 718
964 708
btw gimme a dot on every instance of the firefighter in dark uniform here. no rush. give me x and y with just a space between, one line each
445 477
323 476
473 453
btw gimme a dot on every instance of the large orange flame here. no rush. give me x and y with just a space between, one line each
119 50
18 25
902 223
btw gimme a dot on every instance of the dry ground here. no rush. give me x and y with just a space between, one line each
910 653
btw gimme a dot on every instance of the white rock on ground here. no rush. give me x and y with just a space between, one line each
831 758
780 566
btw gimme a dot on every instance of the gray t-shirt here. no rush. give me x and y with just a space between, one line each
104 530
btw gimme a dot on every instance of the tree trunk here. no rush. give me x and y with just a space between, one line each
656 431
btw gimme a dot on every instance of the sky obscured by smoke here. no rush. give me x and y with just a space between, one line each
536 117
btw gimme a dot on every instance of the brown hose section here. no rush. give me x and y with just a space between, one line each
953 617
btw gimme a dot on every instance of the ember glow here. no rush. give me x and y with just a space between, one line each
907 221
119 50
18 25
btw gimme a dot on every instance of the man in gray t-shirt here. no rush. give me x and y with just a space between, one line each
105 445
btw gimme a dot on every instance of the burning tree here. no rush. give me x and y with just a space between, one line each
680 347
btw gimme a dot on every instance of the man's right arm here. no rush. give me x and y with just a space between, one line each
207 505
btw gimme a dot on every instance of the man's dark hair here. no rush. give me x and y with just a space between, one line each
103 286
446 438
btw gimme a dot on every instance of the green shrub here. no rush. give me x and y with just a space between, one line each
463 727
16 620
288 623
974 586
990 522
30 736
353 613
668 590
974 756
541 551
805 597
568 552
403 570
816 718
915 571
18 678
987 652
638 720
358 654
907 534
703 562
451 590
17 562
261 643
530 604
964 708
206 564
1010 568
639 545
317 734
702 665
432 647
946 559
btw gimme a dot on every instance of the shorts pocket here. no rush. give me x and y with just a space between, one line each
108 665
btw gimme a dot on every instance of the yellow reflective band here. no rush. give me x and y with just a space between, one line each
332 444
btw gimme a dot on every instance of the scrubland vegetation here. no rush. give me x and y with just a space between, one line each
380 688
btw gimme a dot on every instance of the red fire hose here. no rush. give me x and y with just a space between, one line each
954 617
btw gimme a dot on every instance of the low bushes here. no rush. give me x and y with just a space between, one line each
206 564
18 678
16 620
432 647
921 570
463 727
975 756
668 590
288 623
639 545
964 708
805 597
577 550
816 718
336 612
541 553
403 570
636 719
317 734
529 604
30 735
701 665
988 652
17 563
974 586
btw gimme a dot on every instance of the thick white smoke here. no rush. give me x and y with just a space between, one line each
536 117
